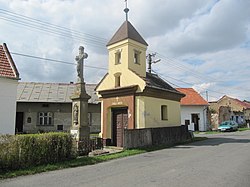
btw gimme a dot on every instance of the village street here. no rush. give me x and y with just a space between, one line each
222 160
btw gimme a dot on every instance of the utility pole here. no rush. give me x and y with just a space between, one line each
149 57
208 114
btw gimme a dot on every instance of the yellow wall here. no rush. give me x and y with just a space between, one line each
148 112
128 70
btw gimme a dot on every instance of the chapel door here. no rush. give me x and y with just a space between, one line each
120 121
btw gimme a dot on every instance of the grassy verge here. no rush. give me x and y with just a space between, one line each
83 161
243 129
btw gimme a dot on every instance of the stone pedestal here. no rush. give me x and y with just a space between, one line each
80 127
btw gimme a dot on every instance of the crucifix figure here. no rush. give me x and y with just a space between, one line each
80 60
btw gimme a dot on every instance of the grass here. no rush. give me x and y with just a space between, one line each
83 161
243 129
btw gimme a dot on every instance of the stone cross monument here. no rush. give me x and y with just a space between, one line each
80 127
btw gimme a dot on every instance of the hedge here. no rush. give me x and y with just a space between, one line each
21 151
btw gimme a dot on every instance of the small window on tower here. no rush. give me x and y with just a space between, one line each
117 80
137 57
118 57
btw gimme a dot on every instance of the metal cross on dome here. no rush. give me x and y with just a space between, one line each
126 9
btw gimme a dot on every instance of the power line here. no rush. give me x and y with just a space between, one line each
188 83
53 60
176 64
51 25
46 27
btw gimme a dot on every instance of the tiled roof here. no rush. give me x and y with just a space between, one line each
7 65
154 81
127 31
192 97
51 92
244 104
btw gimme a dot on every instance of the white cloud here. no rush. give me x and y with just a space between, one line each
208 41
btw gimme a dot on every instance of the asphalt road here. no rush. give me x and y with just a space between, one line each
223 160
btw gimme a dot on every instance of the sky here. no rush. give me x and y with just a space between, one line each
203 44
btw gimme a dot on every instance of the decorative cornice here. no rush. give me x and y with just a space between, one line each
120 91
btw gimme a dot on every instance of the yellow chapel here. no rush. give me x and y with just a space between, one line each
132 98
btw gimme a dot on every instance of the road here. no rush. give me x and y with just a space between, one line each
223 160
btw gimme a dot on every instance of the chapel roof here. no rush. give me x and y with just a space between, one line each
154 81
127 31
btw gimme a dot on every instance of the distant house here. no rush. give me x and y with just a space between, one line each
131 97
9 77
228 108
193 110
45 107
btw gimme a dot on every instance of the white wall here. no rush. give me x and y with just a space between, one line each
186 112
8 92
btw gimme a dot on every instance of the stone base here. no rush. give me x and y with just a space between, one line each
80 132
106 142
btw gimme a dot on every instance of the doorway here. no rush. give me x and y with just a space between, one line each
195 120
119 123
19 122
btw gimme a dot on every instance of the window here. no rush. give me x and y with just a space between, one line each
187 122
45 105
164 112
29 120
117 80
118 57
60 127
137 57
45 118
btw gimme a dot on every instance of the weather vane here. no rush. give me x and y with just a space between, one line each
126 9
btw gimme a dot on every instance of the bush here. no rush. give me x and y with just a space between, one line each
21 151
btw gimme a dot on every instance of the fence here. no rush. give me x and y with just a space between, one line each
134 138
85 146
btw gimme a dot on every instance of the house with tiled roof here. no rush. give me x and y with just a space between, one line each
131 97
193 110
47 107
9 77
229 108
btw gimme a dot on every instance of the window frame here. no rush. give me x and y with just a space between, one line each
117 80
45 119
118 57
136 56
164 112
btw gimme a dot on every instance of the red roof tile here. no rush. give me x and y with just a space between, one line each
192 97
7 65
244 104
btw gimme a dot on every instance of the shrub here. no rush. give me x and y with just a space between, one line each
20 151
